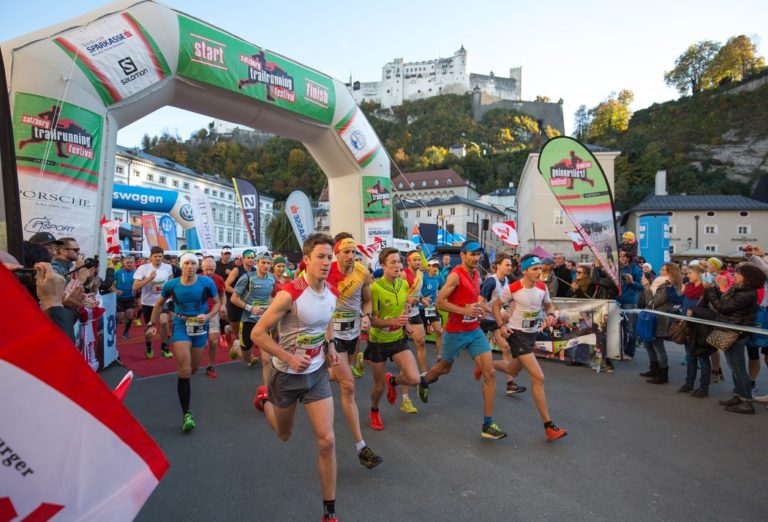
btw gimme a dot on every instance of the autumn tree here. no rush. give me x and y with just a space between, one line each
692 71
736 60
581 121
611 116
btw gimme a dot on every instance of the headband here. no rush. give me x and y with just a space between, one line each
249 252
279 260
414 254
531 261
343 244
189 257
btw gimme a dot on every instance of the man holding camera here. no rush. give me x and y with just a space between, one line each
631 275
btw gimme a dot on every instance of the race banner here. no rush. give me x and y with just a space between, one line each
152 233
210 56
507 232
579 184
358 135
168 230
109 349
73 451
577 240
248 197
299 211
587 332
58 156
117 55
377 208
203 216
110 231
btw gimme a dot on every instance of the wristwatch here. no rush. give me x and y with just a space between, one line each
150 323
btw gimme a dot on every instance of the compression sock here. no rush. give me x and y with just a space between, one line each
549 424
185 392
329 508
487 421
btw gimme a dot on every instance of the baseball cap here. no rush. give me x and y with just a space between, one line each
548 261
43 238
226 250
470 246
263 255
433 262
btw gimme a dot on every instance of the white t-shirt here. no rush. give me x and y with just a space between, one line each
150 294
526 305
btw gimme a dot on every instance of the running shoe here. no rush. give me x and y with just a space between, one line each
138 322
234 352
150 353
423 391
376 423
359 365
167 353
408 407
761 398
188 424
356 374
210 372
554 433
477 373
513 388
391 388
331 518
262 393
492 431
126 334
254 362
368 458
715 377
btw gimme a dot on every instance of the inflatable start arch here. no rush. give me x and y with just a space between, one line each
72 86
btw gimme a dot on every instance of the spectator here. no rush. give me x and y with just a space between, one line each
656 298
67 254
630 275
549 278
582 286
46 239
563 277
754 255
738 305
697 351
648 272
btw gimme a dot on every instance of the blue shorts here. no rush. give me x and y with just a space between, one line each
180 334
454 342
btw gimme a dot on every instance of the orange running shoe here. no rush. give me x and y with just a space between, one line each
554 433
376 423
261 397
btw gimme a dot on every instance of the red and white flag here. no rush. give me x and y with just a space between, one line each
507 232
578 241
77 453
110 229
370 249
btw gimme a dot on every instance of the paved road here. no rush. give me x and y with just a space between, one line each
635 451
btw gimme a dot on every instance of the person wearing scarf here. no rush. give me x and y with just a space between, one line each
696 349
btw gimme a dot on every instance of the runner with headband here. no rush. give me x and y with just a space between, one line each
530 298
460 297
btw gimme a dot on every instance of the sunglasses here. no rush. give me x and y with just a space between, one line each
73 249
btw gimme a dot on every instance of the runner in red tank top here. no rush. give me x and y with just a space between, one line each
460 297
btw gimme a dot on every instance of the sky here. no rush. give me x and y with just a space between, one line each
578 51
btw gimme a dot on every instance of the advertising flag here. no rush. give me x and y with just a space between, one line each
203 216
111 237
299 210
151 232
168 229
578 241
248 197
76 451
579 184
507 232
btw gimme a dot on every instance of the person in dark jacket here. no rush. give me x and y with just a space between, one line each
656 298
630 276
738 305
696 354
563 275
582 286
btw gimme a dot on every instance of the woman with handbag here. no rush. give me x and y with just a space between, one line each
737 305
693 294
657 298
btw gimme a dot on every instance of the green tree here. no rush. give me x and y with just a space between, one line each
611 116
398 226
692 68
581 121
736 60
280 233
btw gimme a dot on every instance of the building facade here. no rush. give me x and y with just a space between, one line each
402 81
432 184
133 167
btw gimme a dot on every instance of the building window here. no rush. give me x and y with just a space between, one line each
229 216
744 213
175 182
559 216
418 213
671 229
162 180
150 177
186 185
671 249
207 191
118 170
405 214
743 230
221 236
710 229
429 212
711 213
231 198
229 236
710 248
453 211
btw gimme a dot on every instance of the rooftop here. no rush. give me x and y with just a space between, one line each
437 202
698 202
429 180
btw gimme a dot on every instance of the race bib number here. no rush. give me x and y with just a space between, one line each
259 305
312 345
430 311
194 327
343 321
157 286
531 320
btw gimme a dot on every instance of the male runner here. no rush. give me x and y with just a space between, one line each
190 325
253 292
209 270
235 312
226 264
529 295
490 291
460 297
387 340
433 323
123 288
150 278
302 311
353 315
414 276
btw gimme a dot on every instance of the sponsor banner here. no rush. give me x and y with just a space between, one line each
110 231
377 208
587 331
359 137
579 184
381 230
117 55
168 230
81 438
151 233
58 149
203 217
299 211
136 242
216 58
109 328
130 197
507 232
248 197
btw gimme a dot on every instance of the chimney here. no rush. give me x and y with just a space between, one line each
661 183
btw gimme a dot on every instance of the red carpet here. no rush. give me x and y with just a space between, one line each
133 355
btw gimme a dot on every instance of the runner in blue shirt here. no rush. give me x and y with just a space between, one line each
433 281
123 288
190 294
